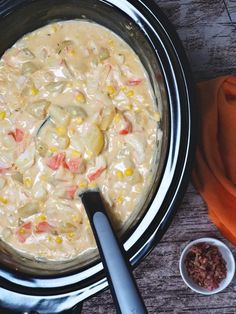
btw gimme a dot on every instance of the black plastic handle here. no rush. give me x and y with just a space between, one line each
123 287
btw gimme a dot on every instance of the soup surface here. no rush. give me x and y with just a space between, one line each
101 131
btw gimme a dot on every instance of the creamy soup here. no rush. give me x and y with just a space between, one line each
101 131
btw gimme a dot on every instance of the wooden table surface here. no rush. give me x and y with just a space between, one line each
207 29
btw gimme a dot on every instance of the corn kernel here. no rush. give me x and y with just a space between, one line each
80 97
111 42
129 172
61 131
34 91
111 90
28 182
72 52
130 93
117 118
42 178
157 116
71 235
59 240
119 174
138 110
22 231
130 107
124 89
76 218
92 185
2 115
49 237
53 149
119 200
83 184
3 200
79 120
75 154
42 217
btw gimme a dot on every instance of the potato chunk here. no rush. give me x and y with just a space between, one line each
28 209
94 140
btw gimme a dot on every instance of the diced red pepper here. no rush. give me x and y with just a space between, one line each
126 130
24 232
56 161
73 165
43 227
3 170
18 135
70 191
22 237
134 82
27 225
94 175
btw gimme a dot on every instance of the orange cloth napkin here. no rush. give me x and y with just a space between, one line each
214 173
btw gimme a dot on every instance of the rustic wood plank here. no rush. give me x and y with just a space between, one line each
158 275
231 9
208 32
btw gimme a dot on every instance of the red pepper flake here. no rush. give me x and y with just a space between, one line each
56 161
94 175
205 265
44 227
127 129
18 135
24 231
134 82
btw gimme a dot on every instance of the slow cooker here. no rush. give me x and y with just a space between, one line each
41 287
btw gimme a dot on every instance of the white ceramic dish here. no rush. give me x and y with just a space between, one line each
228 257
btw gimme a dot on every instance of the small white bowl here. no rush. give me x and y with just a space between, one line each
226 254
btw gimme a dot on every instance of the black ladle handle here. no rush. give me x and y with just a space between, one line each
123 287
